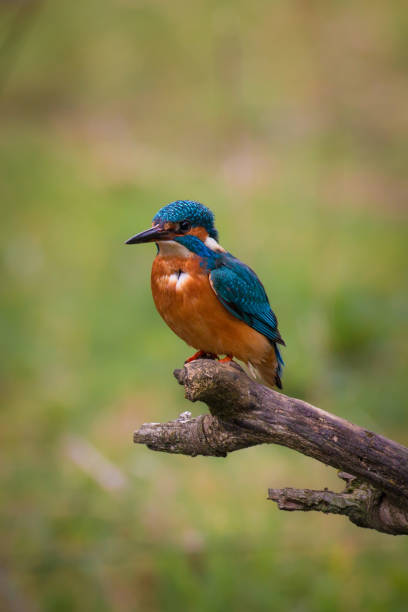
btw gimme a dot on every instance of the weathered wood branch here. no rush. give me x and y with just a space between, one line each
245 413
364 505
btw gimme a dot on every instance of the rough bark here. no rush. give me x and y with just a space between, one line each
245 413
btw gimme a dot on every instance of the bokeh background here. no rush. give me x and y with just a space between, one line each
290 120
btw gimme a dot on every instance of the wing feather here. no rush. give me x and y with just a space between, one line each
241 292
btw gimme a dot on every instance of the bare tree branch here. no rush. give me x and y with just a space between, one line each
245 413
364 505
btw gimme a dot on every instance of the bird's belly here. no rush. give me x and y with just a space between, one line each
186 301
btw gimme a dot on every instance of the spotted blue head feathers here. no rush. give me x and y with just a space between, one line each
195 213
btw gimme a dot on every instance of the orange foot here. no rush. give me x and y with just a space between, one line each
226 359
201 355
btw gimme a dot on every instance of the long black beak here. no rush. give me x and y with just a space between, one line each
153 234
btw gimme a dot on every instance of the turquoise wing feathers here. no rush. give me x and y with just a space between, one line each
241 292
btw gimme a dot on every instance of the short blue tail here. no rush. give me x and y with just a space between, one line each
281 363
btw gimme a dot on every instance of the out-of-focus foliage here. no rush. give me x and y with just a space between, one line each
289 119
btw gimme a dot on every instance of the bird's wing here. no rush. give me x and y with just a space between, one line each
239 289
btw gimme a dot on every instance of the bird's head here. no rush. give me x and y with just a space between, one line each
182 222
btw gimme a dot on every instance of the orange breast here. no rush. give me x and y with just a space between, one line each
184 298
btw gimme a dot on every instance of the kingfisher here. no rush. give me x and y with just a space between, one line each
208 297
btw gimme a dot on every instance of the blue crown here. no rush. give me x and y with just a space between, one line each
181 210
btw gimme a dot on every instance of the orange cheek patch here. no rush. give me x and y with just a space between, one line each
200 232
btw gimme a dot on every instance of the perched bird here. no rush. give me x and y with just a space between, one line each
213 301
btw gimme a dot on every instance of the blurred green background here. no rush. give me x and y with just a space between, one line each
289 119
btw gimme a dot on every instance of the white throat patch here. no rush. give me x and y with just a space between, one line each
171 248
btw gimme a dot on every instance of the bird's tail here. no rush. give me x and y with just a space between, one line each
270 369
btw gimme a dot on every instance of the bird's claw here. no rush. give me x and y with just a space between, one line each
226 359
200 355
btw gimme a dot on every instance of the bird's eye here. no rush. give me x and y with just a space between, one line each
185 226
